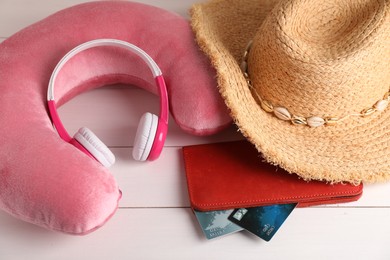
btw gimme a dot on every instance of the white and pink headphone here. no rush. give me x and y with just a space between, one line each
151 131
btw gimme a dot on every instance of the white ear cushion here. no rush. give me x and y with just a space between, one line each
144 137
95 146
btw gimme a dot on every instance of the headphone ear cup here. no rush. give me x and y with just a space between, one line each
95 146
144 137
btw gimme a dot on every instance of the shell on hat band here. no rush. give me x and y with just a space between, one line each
282 113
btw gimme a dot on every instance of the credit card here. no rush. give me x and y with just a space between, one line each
215 223
262 221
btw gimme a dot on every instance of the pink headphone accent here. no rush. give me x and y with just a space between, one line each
151 131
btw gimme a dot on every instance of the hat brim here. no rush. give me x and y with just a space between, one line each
353 151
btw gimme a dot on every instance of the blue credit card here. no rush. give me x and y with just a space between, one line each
262 221
215 223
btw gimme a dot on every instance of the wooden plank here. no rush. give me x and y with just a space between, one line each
17 14
174 234
161 183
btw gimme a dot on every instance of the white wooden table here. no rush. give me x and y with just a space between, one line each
154 220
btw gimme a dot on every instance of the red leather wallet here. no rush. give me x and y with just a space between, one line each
232 175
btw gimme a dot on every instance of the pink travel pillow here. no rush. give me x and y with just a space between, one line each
48 182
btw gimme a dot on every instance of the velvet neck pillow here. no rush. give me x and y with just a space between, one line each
46 181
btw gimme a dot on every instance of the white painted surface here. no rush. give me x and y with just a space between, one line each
154 220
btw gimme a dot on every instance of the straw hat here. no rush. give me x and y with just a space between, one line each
311 90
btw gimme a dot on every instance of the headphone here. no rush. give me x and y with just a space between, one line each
151 131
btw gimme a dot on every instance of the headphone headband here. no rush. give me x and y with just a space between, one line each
96 43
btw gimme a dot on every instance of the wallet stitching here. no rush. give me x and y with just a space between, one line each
283 198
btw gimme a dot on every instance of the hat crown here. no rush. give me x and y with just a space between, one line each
323 58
